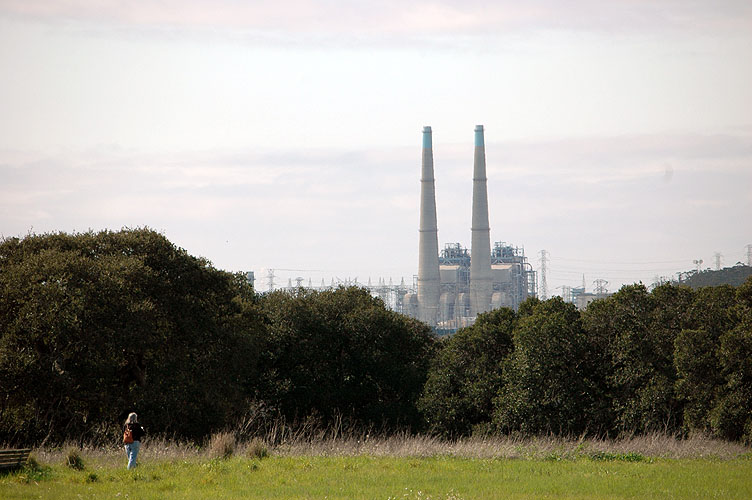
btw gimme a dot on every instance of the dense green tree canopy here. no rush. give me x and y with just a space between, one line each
552 380
95 325
466 374
341 351
98 324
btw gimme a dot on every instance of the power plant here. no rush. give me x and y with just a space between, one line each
454 287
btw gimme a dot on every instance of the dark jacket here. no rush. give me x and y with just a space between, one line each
137 431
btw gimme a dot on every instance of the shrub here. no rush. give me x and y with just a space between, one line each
73 459
256 448
222 445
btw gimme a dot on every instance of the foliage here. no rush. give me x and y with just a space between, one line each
637 330
731 417
734 276
466 374
696 354
95 325
552 380
73 459
341 352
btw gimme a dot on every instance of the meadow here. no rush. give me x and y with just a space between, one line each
401 467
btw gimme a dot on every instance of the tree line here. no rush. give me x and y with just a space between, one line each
95 325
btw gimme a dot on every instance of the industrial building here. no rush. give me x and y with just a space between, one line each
454 286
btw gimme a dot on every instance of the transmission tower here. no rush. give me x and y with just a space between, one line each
749 255
270 279
717 256
600 287
543 288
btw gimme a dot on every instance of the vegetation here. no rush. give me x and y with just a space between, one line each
734 276
95 325
342 352
466 374
552 379
405 468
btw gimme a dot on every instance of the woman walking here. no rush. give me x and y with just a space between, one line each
132 434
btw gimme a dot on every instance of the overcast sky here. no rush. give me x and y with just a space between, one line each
286 135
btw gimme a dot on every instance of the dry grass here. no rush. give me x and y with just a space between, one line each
222 445
255 448
407 445
156 448
654 445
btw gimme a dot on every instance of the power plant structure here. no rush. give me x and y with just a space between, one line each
453 287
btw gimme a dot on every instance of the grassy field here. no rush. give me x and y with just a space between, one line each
398 471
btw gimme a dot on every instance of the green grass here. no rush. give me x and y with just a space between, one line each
606 476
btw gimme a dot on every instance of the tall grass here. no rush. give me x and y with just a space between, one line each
289 442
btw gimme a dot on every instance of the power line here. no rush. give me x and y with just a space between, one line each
589 261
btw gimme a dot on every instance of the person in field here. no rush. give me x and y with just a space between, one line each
132 434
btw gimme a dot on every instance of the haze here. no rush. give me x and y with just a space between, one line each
288 136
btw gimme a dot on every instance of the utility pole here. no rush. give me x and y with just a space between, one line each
543 288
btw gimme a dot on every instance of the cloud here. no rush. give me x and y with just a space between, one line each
386 19
356 211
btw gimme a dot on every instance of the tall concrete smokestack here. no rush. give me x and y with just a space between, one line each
480 250
428 247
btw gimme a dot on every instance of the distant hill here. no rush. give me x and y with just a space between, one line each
734 276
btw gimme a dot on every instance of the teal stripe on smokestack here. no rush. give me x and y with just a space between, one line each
427 143
479 136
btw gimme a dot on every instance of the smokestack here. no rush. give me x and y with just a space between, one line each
428 246
480 250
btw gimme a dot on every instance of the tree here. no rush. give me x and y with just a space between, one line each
342 352
466 374
95 325
731 417
638 329
552 380
696 354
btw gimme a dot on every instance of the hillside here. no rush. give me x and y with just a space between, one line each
733 276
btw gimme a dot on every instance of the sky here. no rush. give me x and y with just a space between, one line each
286 135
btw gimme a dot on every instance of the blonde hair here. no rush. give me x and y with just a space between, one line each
132 418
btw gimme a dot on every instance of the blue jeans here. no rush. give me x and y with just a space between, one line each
131 450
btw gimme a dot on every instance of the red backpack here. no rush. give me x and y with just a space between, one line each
127 435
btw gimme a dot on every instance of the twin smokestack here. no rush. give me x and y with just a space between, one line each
429 281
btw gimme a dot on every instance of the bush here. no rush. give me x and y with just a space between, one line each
222 445
73 459
256 448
